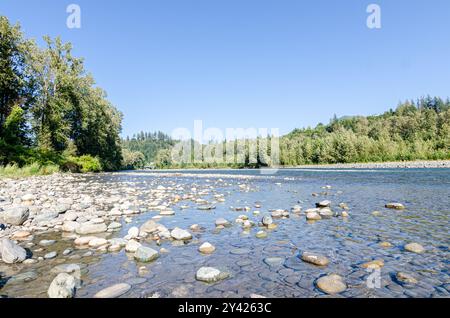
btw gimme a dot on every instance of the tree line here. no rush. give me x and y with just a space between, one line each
51 111
415 130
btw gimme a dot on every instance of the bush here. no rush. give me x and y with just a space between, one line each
84 163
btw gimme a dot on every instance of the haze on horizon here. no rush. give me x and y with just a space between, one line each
256 63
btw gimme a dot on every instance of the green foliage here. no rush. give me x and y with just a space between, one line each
50 107
416 130
14 171
163 159
148 144
132 159
84 163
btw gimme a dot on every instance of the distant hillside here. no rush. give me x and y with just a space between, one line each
415 130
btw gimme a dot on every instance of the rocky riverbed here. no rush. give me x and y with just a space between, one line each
226 234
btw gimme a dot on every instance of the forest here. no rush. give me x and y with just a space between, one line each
415 130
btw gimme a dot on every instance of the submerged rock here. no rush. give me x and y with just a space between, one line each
210 275
63 286
222 221
113 291
50 255
406 278
261 234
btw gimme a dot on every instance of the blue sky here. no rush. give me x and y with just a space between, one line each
250 63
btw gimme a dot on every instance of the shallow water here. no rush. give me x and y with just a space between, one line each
346 242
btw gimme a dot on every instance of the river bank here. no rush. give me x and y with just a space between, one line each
297 234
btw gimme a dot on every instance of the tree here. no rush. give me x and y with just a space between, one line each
16 84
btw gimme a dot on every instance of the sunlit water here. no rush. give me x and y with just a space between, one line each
346 242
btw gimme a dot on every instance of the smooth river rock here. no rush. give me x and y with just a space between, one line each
91 228
331 284
406 278
180 234
113 291
63 286
206 248
145 254
315 259
395 206
11 252
149 227
414 248
16 215
210 275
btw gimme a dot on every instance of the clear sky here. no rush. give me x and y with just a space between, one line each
250 63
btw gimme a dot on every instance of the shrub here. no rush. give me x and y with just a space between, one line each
84 163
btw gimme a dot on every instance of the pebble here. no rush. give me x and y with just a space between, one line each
331 284
323 204
20 235
46 242
145 254
97 242
91 228
315 259
50 255
11 252
133 232
207 248
222 222
406 278
210 275
267 220
179 234
114 226
261 234
132 246
414 248
84 240
63 286
113 291
313 216
395 206
375 264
